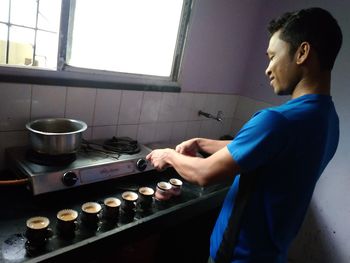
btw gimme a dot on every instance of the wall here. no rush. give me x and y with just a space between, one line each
146 116
217 48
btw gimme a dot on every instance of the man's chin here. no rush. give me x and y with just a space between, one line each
277 91
281 92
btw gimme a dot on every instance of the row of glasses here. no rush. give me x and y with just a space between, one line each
113 209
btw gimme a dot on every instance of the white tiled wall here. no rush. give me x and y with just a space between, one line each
145 116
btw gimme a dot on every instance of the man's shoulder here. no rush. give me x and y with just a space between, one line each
269 116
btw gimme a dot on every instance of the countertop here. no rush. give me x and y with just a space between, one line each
18 204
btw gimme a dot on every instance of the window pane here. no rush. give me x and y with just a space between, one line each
23 12
3 43
4 10
126 36
49 14
46 49
21 46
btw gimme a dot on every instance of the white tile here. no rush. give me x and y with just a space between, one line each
193 128
205 131
103 132
81 104
226 127
185 106
150 107
228 105
11 139
178 132
246 107
163 132
212 104
127 131
197 105
130 107
48 101
168 108
216 130
107 107
14 106
146 132
87 134
211 129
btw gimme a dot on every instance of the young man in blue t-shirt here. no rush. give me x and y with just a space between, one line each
279 153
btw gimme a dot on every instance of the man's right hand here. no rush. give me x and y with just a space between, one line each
193 146
189 147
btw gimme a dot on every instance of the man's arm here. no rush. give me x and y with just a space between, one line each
202 171
192 146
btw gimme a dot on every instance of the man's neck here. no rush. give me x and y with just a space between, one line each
319 84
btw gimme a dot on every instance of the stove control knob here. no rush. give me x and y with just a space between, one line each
69 178
141 164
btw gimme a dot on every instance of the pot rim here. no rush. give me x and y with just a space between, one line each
29 124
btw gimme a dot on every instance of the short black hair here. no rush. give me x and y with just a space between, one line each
315 26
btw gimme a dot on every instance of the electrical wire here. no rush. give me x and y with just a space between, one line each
14 182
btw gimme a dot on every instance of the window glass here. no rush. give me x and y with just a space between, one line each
125 36
23 12
4 10
26 18
94 37
49 15
46 49
21 46
3 43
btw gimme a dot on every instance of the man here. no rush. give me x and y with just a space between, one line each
281 151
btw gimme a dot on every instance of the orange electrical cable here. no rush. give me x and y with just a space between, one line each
14 182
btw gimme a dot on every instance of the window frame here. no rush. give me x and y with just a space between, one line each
66 75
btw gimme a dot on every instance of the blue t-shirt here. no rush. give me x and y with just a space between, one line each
290 146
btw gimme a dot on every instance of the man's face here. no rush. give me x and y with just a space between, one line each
282 70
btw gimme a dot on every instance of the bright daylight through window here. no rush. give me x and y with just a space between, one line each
125 36
29 32
128 36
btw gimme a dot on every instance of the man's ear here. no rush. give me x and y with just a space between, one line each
302 53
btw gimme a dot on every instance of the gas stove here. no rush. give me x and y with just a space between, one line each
94 162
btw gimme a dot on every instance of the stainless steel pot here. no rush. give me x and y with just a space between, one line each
55 136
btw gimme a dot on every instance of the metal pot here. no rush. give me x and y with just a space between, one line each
55 136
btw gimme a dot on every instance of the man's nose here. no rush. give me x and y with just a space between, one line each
268 71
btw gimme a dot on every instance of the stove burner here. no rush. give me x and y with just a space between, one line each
122 145
50 160
91 164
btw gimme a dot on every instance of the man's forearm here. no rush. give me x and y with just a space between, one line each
203 171
210 146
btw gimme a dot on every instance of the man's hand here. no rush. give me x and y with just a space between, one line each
158 158
189 147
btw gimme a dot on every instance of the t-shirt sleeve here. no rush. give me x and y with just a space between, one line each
259 140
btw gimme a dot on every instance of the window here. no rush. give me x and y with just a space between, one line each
122 38
29 32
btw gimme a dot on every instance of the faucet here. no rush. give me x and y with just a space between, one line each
208 115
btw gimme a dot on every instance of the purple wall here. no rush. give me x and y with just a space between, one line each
217 53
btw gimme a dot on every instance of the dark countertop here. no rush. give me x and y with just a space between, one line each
18 204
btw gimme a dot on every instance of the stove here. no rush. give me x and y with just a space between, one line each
96 161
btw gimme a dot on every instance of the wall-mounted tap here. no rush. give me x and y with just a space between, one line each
208 115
